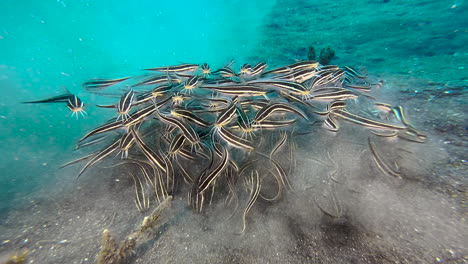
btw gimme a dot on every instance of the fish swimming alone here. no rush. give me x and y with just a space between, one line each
73 102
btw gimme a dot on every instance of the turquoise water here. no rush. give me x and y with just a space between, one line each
418 48
50 45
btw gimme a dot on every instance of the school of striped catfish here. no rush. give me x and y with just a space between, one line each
187 130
